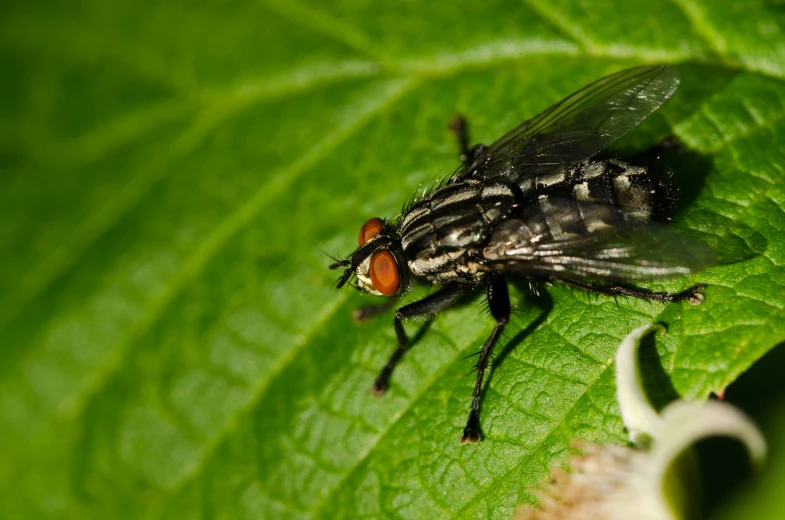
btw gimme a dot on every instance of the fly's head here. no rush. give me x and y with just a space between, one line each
378 263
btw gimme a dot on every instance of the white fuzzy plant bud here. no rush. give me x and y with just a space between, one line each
655 478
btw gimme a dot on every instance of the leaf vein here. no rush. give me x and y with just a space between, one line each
702 26
310 17
355 467
227 229
547 14
493 484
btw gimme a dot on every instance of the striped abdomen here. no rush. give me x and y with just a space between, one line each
593 198
631 189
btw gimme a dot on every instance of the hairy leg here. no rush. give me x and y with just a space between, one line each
430 305
460 128
691 295
366 312
499 305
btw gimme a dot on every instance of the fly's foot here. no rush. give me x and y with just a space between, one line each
362 314
471 434
691 295
382 382
367 312
458 126
670 143
379 388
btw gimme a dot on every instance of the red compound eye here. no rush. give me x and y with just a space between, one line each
370 229
384 273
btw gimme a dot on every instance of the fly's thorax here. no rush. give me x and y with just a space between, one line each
439 231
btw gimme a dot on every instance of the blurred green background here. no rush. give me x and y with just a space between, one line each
170 343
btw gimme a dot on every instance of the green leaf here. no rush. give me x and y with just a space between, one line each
169 170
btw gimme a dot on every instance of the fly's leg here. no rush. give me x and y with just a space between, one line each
499 305
669 143
460 128
691 295
369 311
432 304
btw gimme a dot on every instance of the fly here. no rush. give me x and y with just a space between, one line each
540 204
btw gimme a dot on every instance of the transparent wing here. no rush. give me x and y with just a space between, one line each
645 254
596 241
578 127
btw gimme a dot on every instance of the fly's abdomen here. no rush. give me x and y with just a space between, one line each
590 199
630 188
591 195
439 230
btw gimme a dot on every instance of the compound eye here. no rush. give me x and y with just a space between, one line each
384 273
370 229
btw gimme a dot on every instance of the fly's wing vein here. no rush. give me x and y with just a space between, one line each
590 240
576 128
644 252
